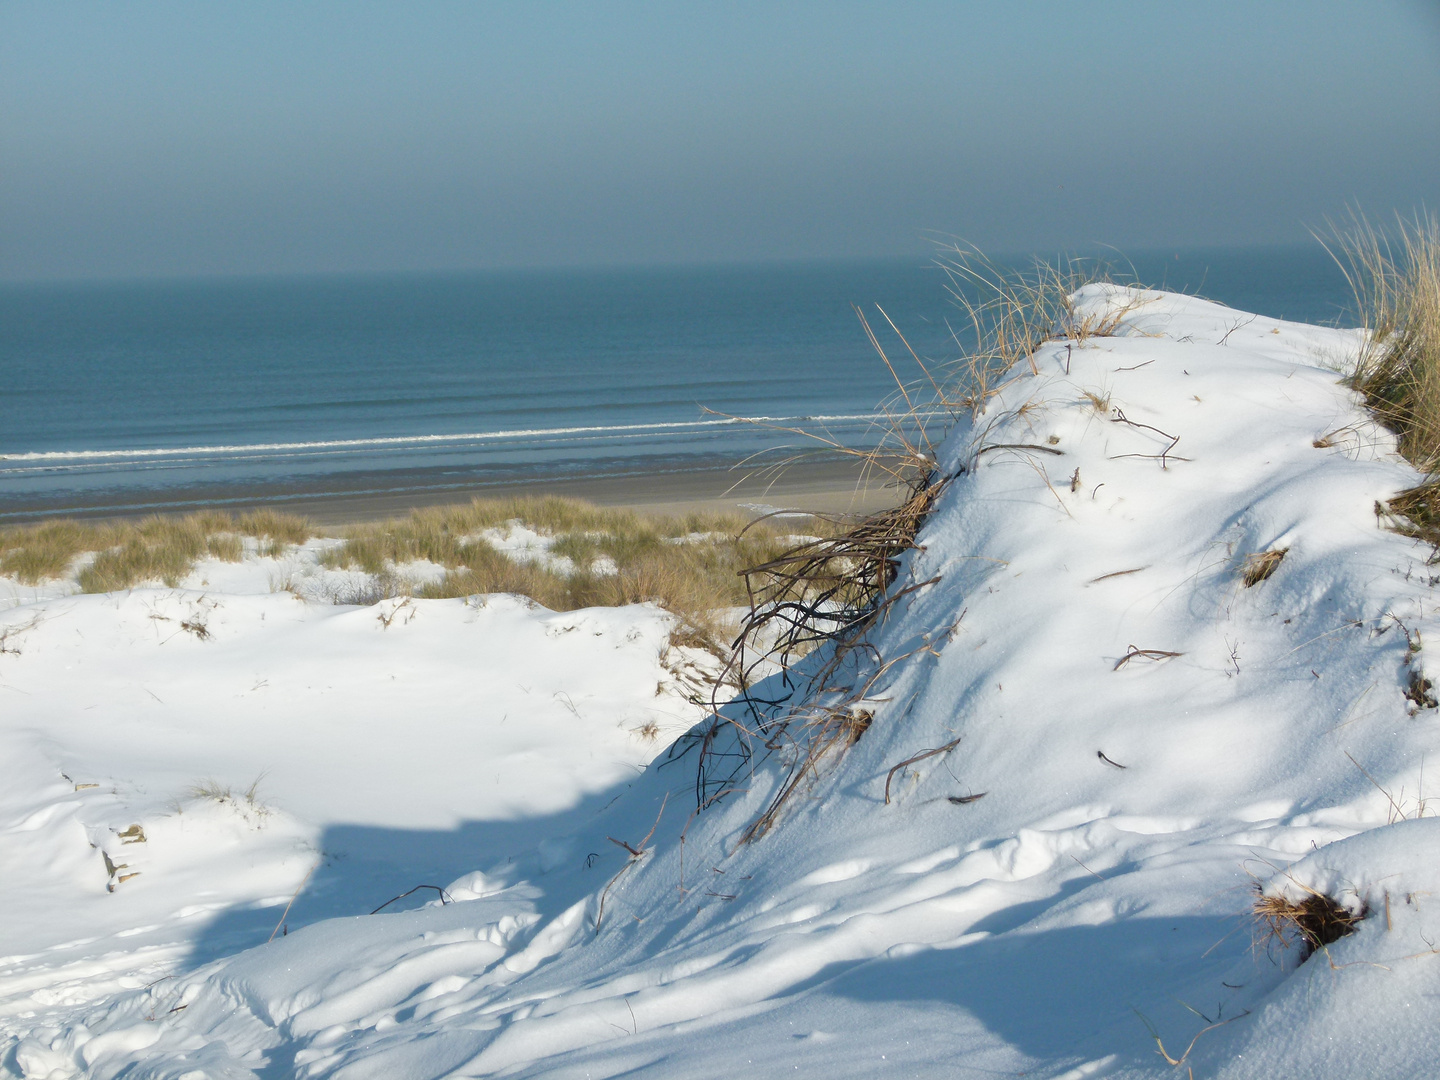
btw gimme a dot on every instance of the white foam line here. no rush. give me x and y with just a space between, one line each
402 440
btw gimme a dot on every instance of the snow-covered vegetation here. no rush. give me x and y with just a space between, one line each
1152 682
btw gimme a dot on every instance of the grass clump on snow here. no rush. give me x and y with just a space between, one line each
1396 282
1009 313
130 553
1259 566
1006 313
42 552
1312 923
1395 278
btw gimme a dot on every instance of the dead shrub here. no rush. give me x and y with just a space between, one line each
829 592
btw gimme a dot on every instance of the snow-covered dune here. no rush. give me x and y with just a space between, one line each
1150 730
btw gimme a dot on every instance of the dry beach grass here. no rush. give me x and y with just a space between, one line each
1395 278
690 564
128 553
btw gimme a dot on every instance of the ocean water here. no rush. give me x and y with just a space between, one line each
165 395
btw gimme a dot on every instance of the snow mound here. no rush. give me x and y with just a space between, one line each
1359 1005
1170 647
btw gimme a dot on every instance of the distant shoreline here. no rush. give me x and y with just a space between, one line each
823 486
366 396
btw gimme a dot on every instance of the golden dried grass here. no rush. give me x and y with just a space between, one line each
1312 923
1394 277
1258 566
129 553
691 565
41 552
1008 313
155 549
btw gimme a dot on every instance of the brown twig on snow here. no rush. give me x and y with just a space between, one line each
1117 573
1132 653
445 897
637 852
1177 1062
1163 456
292 901
1019 446
921 757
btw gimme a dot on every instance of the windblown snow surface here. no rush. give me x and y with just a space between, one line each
1154 742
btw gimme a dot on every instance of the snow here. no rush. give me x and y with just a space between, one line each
386 734
1153 743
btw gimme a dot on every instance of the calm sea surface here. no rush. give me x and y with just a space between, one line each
176 394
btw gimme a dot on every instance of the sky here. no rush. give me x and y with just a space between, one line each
179 139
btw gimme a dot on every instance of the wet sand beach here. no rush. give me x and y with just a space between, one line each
837 486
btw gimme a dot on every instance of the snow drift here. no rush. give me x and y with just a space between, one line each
1184 665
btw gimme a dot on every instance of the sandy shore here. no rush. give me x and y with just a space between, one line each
818 487
823 486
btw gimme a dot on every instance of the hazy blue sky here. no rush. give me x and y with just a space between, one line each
160 138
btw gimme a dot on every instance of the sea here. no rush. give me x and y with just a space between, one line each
148 396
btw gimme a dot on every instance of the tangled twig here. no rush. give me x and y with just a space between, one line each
1164 456
825 592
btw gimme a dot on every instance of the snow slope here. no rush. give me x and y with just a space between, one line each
1152 742
390 744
